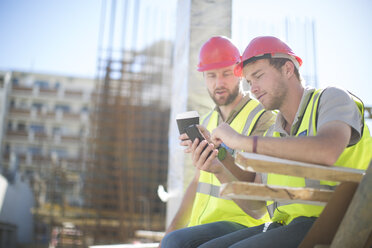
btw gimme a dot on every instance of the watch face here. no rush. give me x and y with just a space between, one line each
221 153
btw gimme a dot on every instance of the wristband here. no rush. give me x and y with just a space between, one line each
221 153
254 148
223 150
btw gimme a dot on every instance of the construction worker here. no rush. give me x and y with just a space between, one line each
201 203
323 126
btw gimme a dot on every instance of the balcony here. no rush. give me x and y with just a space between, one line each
33 113
38 161
36 92
38 138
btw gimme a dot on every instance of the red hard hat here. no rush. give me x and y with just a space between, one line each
267 45
218 52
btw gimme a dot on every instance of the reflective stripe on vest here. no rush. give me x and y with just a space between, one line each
208 189
208 205
206 119
357 156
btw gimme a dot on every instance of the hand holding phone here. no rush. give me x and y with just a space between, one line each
193 132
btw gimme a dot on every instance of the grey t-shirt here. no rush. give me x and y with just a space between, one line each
335 104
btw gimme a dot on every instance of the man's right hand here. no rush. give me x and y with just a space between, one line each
185 140
227 135
205 159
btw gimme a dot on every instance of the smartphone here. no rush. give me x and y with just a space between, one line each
193 132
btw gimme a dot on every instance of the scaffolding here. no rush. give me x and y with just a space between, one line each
124 157
128 155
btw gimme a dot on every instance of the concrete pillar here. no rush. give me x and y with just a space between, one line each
197 21
5 89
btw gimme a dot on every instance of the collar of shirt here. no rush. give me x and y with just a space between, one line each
235 111
281 122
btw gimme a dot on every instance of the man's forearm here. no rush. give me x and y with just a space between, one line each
324 148
178 222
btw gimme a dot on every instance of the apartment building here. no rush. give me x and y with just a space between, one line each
44 128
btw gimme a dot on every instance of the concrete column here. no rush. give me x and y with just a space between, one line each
197 21
5 89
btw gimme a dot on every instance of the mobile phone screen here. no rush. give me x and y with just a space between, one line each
193 132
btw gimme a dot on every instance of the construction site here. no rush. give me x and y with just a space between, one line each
90 160
94 157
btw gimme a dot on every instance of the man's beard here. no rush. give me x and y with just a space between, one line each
226 101
279 96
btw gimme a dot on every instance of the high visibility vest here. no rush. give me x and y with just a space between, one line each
208 205
355 156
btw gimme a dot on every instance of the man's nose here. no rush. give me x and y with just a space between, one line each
220 81
254 88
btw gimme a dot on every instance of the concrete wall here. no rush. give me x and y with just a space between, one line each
16 201
4 93
197 21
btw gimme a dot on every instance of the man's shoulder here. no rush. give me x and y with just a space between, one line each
334 92
336 97
337 104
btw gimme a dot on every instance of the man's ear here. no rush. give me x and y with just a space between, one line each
288 69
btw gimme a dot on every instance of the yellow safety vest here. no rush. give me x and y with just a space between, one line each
356 156
208 206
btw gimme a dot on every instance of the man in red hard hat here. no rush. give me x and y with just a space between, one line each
201 203
321 126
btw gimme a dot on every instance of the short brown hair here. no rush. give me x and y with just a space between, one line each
277 63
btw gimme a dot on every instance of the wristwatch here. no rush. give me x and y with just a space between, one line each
223 150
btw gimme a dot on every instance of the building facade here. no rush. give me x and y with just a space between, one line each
45 125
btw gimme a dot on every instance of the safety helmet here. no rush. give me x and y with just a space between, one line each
218 52
262 45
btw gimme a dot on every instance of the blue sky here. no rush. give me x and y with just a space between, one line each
49 36
62 36
343 37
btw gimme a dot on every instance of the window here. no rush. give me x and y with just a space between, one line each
63 108
34 150
41 84
7 149
37 128
20 149
23 105
60 152
15 81
57 130
21 127
37 105
84 109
